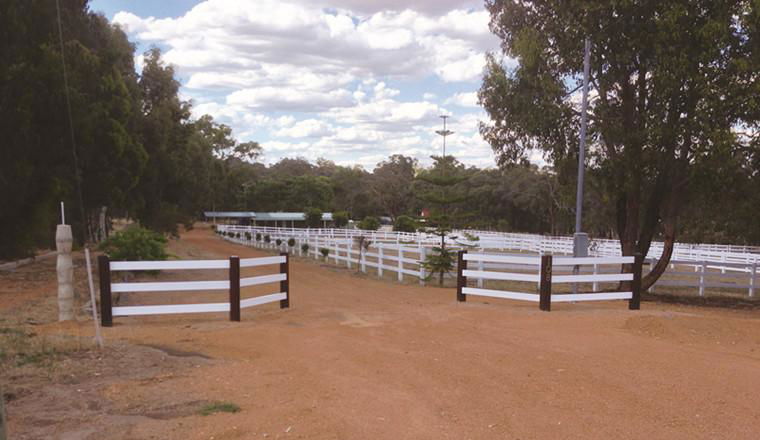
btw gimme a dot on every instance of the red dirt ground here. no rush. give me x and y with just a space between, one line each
358 358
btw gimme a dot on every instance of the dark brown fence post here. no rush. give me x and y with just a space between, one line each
635 302
545 285
235 288
461 279
104 270
3 421
285 284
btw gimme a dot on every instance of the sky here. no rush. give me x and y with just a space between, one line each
352 81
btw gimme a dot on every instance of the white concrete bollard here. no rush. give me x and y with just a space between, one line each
65 269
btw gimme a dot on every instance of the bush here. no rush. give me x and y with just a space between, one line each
267 239
369 224
313 217
305 248
404 223
324 251
291 242
340 219
248 236
278 241
135 244
258 236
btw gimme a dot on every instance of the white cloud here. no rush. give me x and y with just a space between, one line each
331 74
467 99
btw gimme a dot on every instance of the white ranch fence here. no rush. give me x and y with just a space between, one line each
522 269
232 285
401 252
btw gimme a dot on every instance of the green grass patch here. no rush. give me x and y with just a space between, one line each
218 407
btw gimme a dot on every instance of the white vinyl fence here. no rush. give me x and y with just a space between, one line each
547 266
232 285
401 252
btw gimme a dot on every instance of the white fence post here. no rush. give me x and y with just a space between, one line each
380 260
595 286
400 263
702 279
362 258
423 257
348 254
481 266
752 276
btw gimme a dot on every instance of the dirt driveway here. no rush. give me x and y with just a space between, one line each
358 358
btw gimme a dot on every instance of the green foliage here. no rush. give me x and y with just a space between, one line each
218 407
267 238
392 184
291 242
405 223
440 261
369 224
248 236
442 189
305 248
324 251
658 68
135 244
278 242
340 219
313 217
258 236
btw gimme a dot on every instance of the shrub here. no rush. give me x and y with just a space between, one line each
216 407
369 224
291 241
258 236
248 236
324 251
313 217
267 239
134 244
340 219
278 241
305 248
405 223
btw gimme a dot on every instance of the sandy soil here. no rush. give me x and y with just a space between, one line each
359 358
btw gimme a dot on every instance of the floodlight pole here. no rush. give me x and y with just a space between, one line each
580 239
444 133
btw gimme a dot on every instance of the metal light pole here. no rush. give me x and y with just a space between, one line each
444 133
580 239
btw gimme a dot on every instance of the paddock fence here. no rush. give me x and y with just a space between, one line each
519 270
699 269
231 285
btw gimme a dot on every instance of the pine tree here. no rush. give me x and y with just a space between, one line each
439 188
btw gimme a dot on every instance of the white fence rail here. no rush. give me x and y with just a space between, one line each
546 277
401 253
232 284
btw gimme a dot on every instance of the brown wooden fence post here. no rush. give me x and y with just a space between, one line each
106 311
285 284
545 284
461 279
635 302
235 288
3 420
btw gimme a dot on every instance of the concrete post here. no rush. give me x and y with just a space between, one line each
65 269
